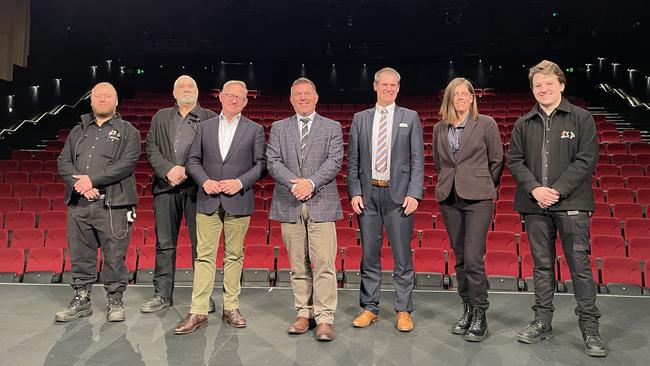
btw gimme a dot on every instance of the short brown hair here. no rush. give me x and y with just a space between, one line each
546 67
303 80
447 110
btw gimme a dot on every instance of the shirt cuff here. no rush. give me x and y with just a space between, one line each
241 186
313 186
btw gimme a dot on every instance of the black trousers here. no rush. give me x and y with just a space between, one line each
91 225
574 233
467 223
169 208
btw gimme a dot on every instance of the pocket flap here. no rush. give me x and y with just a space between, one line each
482 173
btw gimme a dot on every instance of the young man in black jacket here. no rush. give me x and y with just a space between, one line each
97 164
552 156
168 141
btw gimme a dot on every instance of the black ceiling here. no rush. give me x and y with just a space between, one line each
500 31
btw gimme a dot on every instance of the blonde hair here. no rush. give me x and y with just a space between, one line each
447 111
546 67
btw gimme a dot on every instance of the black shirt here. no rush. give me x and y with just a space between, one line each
97 147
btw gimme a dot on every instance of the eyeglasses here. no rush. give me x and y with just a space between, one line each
236 97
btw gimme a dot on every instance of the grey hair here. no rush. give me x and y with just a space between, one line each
235 82
184 77
387 69
303 80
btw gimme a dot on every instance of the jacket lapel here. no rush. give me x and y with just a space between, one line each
467 132
367 129
242 125
313 131
398 115
443 130
292 125
215 137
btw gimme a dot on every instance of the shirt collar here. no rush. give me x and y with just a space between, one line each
193 112
311 116
92 119
234 120
390 108
462 125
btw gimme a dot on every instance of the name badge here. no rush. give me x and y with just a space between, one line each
572 213
403 125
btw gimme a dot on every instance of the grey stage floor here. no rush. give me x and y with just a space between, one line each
29 336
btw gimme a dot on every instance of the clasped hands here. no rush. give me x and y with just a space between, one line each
545 196
84 186
226 186
176 175
302 189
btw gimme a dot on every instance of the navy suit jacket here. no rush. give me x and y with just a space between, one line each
245 161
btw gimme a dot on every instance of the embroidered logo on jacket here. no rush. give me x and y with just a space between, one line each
567 135
114 135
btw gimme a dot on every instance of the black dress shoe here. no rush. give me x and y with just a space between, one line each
535 331
478 329
461 326
594 344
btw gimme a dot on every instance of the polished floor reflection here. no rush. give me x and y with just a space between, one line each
29 336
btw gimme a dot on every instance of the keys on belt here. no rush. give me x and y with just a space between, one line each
380 183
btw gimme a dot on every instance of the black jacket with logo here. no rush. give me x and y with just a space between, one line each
116 178
572 160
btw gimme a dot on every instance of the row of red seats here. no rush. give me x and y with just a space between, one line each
433 267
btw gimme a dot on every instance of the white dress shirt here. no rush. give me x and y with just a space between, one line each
375 136
226 133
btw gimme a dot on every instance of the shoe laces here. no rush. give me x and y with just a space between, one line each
536 325
590 334
114 302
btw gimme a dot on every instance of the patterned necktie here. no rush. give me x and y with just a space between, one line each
303 136
381 160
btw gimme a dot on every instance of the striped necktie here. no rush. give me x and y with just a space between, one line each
381 159
304 132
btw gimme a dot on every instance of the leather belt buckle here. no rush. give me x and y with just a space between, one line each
380 183
100 197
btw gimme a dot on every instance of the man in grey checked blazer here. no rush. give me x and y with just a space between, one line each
304 154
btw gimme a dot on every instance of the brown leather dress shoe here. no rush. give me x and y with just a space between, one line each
191 323
301 325
364 319
404 321
234 318
324 332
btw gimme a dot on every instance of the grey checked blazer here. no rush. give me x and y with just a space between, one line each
322 161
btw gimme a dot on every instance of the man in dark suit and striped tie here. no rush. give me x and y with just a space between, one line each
385 175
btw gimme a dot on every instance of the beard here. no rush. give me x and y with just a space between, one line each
187 99
106 112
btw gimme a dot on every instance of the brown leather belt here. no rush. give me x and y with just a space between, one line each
379 183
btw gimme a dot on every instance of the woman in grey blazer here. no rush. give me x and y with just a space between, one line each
468 157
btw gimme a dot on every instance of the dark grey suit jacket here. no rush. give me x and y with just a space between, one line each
245 161
322 161
477 169
406 159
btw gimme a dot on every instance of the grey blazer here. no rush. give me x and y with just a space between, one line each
406 159
477 169
244 161
322 161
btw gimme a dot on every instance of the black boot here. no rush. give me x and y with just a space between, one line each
594 344
478 329
79 307
461 326
115 310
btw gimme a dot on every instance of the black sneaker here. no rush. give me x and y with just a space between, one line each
536 331
115 310
461 326
79 307
478 329
154 304
594 344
